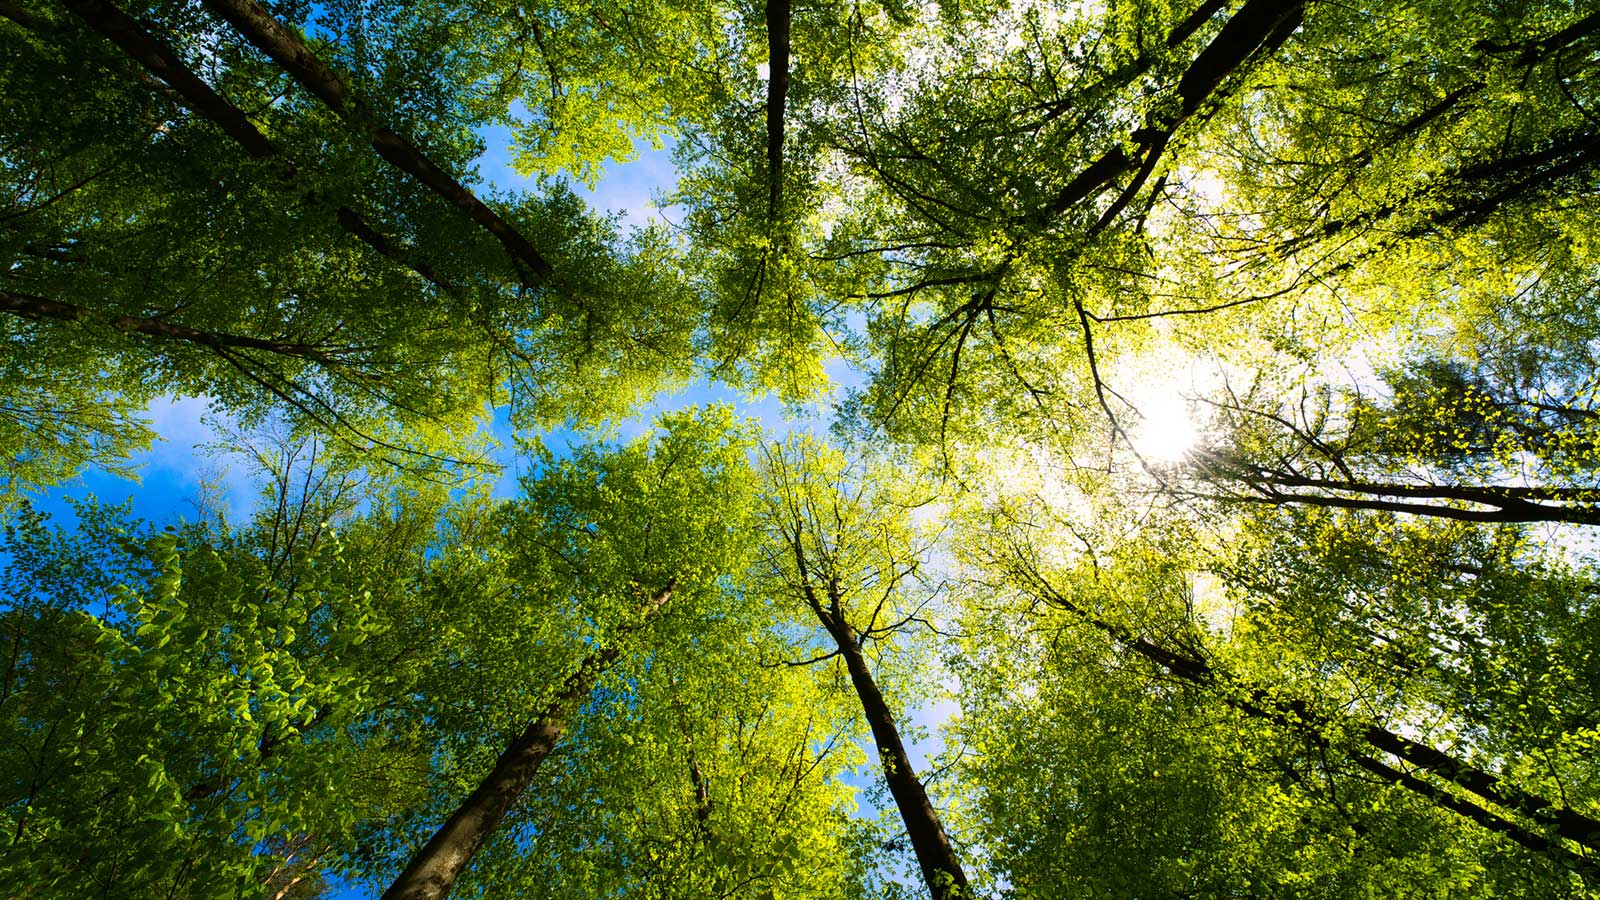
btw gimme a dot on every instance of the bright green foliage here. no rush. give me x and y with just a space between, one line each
1108 779
114 212
695 772
694 761
149 253
1098 766
1182 671
56 421
197 713
1483 638
858 529
1453 154
322 678
1515 412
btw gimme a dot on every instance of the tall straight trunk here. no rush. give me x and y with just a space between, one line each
290 51
1482 817
435 868
1260 485
940 869
1567 823
778 14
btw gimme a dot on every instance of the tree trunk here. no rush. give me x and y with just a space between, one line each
777 12
291 52
1565 822
1538 843
28 306
940 869
1255 25
1512 505
159 60
435 868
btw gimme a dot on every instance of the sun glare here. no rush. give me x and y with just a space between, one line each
1165 430
1163 418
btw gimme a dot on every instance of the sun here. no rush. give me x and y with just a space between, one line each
1163 415
1164 429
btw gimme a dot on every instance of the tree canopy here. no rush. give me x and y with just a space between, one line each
1206 510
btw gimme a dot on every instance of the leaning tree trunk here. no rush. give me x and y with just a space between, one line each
290 51
435 868
1567 824
940 869
192 91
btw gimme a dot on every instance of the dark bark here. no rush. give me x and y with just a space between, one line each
1539 171
160 60
291 52
1538 843
941 870
1511 504
1470 194
1256 25
351 221
16 13
1567 824
434 869
27 306
1096 176
1196 19
702 791
1507 514
1531 52
1415 124
778 13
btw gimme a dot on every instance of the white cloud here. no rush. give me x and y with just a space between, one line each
188 452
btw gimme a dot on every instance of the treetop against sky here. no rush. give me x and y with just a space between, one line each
1013 449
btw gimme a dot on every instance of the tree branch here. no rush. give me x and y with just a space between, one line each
290 51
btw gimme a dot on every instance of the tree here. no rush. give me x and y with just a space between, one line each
1341 647
206 712
613 539
1478 624
1299 669
839 551
706 770
1438 438
164 236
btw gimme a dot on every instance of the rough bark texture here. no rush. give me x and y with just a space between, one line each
291 52
435 868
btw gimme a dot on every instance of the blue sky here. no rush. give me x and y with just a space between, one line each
185 462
